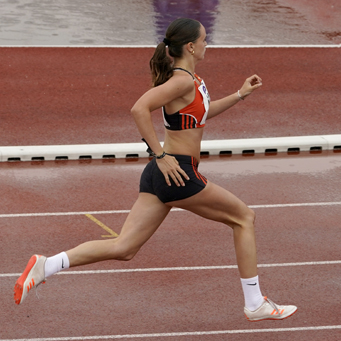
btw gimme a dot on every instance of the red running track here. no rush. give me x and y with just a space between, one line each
58 96
75 95
297 202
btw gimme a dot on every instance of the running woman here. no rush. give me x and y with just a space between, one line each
171 178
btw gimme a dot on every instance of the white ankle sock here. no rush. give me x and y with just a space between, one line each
252 294
56 263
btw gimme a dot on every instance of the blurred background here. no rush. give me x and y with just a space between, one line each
143 22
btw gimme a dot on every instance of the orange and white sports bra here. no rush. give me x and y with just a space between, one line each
193 115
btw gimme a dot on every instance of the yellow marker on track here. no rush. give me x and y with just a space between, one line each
112 234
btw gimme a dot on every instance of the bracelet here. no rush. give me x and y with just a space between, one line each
161 156
151 153
239 95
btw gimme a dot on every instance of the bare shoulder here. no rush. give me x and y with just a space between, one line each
178 85
182 79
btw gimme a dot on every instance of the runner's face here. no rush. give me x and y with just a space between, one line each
200 44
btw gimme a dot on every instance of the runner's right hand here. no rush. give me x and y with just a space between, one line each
169 166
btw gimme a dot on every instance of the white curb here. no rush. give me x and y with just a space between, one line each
138 150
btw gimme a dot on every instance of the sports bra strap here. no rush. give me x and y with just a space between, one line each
179 68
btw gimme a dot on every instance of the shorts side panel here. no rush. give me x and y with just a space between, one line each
146 185
153 181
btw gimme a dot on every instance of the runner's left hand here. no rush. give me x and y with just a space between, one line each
252 83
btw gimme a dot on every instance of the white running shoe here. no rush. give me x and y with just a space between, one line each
33 275
270 311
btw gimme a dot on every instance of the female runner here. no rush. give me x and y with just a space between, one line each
171 178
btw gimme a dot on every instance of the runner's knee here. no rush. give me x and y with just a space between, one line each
127 255
251 216
125 252
247 220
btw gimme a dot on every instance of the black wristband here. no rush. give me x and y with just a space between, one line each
151 153
161 156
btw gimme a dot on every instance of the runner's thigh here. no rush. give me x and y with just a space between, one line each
145 217
218 204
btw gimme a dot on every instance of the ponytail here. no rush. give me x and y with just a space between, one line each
160 65
179 33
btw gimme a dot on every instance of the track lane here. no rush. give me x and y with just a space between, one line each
206 300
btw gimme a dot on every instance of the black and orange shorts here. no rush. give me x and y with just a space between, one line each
153 181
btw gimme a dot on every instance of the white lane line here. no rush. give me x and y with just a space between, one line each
18 215
181 268
297 205
214 332
154 46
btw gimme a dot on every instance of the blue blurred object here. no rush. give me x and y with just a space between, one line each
166 11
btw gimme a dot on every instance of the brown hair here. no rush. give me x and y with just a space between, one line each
180 32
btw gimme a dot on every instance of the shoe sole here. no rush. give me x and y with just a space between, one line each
20 283
272 318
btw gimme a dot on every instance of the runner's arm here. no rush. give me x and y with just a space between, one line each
217 107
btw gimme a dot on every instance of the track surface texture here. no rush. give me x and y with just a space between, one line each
65 80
